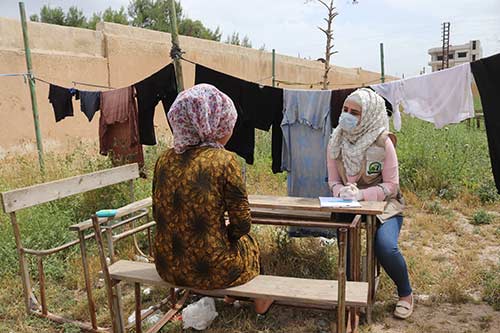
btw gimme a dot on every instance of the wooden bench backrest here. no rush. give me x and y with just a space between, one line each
37 194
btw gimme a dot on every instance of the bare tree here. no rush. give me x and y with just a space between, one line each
328 31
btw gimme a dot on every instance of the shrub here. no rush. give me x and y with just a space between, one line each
491 287
487 192
481 217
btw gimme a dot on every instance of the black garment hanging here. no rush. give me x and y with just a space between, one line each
257 106
338 98
266 104
337 103
60 98
161 86
90 102
486 72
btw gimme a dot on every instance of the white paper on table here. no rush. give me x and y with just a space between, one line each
335 202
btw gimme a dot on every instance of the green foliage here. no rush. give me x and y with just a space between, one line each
52 15
491 284
96 18
109 15
435 207
188 27
481 217
487 192
75 18
46 226
152 14
149 14
115 16
442 162
70 328
234 39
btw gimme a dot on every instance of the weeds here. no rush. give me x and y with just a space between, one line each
435 166
487 192
481 217
491 285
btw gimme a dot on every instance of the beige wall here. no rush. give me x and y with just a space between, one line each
118 56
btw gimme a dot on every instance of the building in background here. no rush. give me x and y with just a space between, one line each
459 54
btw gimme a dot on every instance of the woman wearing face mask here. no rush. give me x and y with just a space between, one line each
362 165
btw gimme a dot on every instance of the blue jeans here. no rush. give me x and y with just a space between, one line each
389 256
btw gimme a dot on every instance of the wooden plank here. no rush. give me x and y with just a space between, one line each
122 211
284 289
276 221
41 193
312 204
289 214
133 231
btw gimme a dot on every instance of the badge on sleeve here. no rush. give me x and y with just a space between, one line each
374 167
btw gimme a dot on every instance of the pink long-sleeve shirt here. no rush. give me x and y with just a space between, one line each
390 176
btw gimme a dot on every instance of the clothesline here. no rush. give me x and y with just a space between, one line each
42 80
299 83
25 75
266 78
91 85
15 74
357 84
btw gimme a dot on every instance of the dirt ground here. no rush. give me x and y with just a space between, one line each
443 318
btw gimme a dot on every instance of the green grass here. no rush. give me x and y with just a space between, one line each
481 217
435 166
491 283
443 163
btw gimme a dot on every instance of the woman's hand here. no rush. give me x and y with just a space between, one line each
351 191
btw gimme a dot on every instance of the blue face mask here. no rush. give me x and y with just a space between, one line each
347 121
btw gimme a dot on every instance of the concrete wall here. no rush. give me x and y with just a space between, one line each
117 56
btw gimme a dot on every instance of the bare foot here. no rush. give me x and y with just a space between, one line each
349 329
262 305
229 300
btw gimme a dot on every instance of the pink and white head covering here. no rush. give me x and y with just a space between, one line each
200 116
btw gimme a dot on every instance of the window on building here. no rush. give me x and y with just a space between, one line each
473 44
473 57
440 57
462 54
450 56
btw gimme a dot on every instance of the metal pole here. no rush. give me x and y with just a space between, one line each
176 47
31 79
382 74
274 68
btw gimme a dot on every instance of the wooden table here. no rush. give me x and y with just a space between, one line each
306 212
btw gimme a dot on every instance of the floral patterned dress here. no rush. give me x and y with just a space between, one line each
193 245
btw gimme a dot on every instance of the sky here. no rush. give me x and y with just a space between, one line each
408 28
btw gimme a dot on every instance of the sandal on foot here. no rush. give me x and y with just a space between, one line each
404 309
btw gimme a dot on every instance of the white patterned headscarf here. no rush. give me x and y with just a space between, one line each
352 145
200 116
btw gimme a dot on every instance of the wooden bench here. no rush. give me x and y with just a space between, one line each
18 199
312 293
322 294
